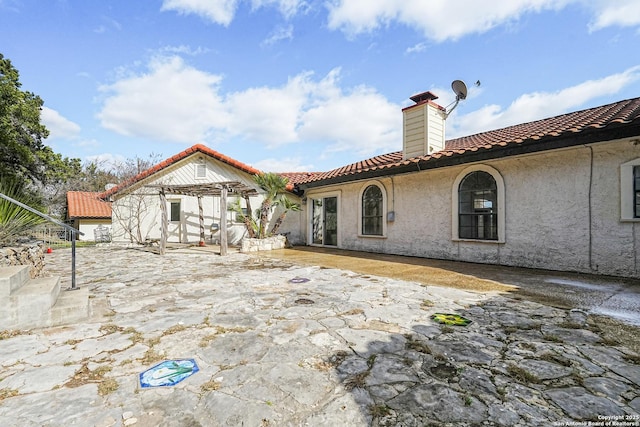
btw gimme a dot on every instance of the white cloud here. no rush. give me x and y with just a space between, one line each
539 105
10 5
288 8
110 23
269 115
420 47
362 121
58 126
279 33
219 11
439 20
304 109
223 11
106 161
286 164
171 102
442 20
623 13
88 143
183 50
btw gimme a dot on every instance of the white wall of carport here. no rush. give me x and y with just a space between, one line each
561 213
183 173
293 225
88 225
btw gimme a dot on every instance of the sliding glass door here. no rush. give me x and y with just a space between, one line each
324 221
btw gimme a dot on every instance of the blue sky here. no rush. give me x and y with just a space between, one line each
304 85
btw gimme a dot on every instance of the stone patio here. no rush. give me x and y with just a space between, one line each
276 349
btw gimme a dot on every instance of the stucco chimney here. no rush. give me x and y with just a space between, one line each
423 126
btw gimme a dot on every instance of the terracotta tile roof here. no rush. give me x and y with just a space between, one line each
298 177
564 127
86 204
174 159
374 163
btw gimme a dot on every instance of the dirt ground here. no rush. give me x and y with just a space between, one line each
468 276
421 270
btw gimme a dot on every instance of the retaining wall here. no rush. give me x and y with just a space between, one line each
32 255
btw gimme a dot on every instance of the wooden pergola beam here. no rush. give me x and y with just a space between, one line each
208 189
221 189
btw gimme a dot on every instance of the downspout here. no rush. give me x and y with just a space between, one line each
590 208
635 250
393 195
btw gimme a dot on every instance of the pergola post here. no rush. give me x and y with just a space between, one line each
247 218
213 189
223 221
165 222
201 218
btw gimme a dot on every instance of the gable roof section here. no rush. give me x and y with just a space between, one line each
87 204
374 163
198 148
605 123
298 177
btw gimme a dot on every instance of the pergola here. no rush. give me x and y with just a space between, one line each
221 189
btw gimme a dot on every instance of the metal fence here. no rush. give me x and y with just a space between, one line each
52 235
55 223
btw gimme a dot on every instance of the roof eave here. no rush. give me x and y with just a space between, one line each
610 133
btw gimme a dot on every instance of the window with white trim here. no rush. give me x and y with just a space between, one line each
630 191
174 211
372 211
201 169
478 205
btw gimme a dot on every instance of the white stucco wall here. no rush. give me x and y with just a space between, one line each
293 224
87 225
562 213
188 230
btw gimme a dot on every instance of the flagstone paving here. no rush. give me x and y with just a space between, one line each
341 349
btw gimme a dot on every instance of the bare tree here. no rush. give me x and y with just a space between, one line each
133 214
133 210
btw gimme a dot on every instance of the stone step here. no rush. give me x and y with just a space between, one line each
30 305
41 291
71 307
12 278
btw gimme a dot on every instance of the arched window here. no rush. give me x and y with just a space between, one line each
372 211
478 207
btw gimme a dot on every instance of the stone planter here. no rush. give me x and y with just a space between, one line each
32 255
268 244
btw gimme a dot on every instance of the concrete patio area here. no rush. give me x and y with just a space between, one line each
316 338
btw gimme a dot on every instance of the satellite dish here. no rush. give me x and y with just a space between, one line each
460 89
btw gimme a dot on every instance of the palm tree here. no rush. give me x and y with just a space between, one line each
287 205
15 222
274 185
247 219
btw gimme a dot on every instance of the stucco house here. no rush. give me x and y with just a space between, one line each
88 212
187 187
562 193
